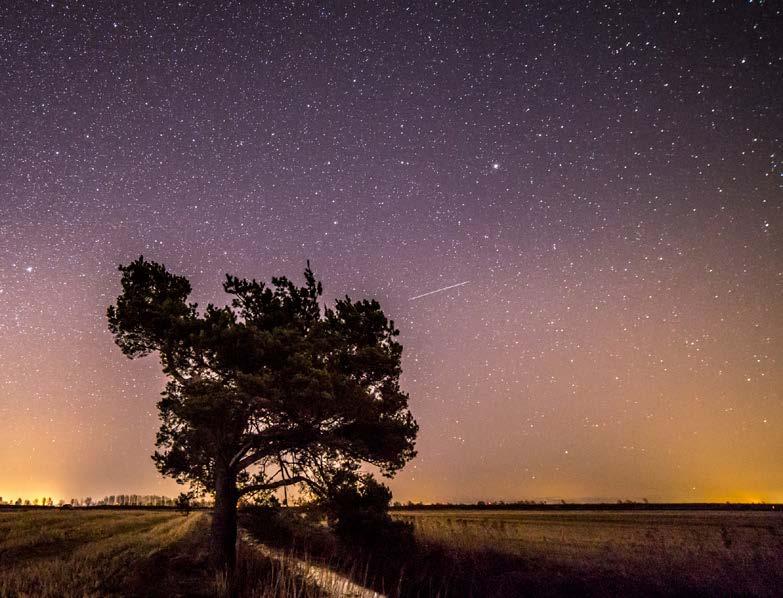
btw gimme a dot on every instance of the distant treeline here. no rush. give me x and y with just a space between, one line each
148 501
566 506
115 500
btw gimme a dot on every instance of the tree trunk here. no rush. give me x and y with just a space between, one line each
224 521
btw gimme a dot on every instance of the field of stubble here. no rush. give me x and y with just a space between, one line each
85 552
145 553
655 551
91 552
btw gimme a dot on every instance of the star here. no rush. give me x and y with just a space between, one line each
605 208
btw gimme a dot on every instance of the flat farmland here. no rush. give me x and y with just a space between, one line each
657 551
129 552
95 552
48 552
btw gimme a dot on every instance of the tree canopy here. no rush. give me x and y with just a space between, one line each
271 390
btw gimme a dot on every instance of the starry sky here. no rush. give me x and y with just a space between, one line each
600 184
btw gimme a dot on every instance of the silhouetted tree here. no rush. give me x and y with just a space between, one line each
184 502
268 392
357 508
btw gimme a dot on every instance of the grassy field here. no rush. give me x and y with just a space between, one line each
555 553
87 552
655 551
91 552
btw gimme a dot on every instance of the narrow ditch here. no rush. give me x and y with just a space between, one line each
331 582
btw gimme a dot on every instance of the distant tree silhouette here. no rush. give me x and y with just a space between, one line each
268 392
184 502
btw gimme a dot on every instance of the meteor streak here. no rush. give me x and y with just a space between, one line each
454 286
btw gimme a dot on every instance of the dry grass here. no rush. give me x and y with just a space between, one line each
661 550
457 553
86 552
259 576
82 553
295 575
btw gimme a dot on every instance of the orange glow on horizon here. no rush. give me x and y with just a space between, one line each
580 240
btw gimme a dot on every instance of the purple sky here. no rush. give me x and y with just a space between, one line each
607 178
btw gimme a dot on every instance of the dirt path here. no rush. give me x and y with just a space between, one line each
331 582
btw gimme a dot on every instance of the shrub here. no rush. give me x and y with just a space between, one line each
357 511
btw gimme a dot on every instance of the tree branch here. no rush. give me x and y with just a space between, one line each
170 368
241 453
297 479
275 442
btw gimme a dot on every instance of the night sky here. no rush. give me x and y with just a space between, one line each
601 186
